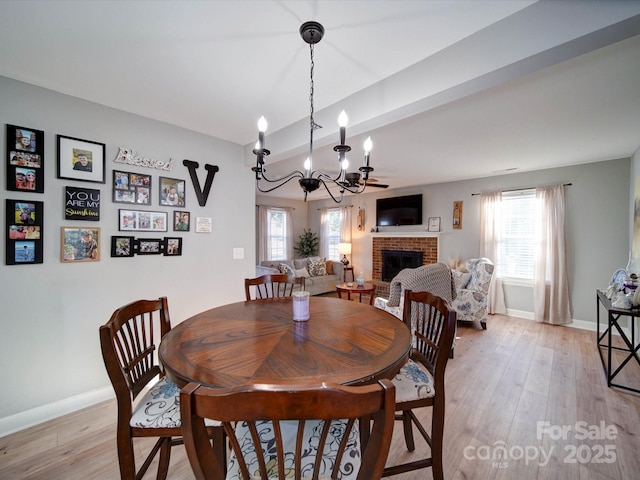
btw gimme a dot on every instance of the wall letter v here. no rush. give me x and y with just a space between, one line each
202 195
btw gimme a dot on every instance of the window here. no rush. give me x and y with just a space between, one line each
277 239
518 234
331 231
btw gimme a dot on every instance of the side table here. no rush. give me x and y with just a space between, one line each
605 341
348 269
367 288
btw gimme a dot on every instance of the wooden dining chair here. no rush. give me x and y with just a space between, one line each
279 431
420 382
272 285
129 340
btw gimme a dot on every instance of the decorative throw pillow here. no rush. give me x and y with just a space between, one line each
299 263
317 268
301 272
461 279
284 268
329 264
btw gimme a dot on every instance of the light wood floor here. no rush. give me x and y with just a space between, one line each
501 383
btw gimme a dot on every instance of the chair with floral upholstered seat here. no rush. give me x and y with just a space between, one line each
290 432
129 349
420 382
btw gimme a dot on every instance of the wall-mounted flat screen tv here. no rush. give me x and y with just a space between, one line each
405 210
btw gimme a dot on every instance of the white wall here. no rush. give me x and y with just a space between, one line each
597 224
49 350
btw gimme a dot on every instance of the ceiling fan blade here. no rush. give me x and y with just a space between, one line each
377 185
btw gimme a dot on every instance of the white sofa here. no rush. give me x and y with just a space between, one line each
315 282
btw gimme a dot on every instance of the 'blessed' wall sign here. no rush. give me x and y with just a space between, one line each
131 157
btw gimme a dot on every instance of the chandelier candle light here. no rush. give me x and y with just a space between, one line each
311 180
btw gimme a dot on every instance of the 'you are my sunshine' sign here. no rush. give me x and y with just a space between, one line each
82 204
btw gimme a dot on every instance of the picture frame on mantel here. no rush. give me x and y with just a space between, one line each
434 224
457 215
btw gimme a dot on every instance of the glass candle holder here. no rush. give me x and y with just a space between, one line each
301 306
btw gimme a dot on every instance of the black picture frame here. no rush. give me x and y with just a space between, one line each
24 232
25 162
82 204
129 187
181 221
150 246
168 197
172 246
80 159
122 246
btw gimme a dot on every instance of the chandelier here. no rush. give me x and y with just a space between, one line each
310 180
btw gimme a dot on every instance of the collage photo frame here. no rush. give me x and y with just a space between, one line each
129 187
24 226
25 159
125 246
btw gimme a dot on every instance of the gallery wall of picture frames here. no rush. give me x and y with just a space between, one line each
125 246
85 161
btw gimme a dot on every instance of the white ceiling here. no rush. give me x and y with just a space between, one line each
447 90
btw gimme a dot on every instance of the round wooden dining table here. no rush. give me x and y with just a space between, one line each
258 342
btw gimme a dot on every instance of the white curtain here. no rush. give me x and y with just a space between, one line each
264 234
490 227
550 259
325 232
288 225
263 228
345 226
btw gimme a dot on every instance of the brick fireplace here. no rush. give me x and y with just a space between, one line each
427 245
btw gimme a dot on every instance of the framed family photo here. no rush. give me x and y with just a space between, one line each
122 246
81 159
172 246
142 221
149 246
25 159
172 192
131 187
79 244
181 221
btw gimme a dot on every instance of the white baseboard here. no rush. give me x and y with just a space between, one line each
35 416
581 324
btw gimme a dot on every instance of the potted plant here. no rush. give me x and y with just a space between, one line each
307 245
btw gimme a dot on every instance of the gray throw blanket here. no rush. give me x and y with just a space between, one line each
435 278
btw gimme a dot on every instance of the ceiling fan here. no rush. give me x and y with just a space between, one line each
353 180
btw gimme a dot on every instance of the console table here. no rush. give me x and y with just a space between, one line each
604 339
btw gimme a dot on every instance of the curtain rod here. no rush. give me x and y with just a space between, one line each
274 206
522 188
350 206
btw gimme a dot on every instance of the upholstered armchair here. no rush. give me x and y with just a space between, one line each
472 280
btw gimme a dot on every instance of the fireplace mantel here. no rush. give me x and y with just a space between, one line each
406 234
